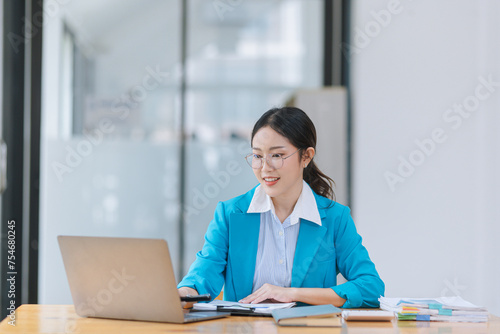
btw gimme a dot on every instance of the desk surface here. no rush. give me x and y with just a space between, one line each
63 319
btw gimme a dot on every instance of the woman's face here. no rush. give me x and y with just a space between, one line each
287 180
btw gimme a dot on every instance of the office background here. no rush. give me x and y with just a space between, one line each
182 83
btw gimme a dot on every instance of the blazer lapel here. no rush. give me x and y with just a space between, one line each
243 240
308 242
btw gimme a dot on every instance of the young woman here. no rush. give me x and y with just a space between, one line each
284 240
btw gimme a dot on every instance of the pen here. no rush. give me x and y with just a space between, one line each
196 298
235 310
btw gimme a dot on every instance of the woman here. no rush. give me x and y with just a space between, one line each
284 240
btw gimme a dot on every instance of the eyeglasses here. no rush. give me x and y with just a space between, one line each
274 160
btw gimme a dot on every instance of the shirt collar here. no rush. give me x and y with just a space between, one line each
305 208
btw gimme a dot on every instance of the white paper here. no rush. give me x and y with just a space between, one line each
455 302
264 308
462 310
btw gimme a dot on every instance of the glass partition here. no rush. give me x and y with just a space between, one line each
110 131
111 114
243 59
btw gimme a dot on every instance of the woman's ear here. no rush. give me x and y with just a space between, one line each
308 156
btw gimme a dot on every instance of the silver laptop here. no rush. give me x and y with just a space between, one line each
124 278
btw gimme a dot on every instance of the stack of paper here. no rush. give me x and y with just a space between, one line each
262 308
452 309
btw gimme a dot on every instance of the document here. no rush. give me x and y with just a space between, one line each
222 305
449 309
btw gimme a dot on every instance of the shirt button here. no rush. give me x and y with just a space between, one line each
281 233
281 261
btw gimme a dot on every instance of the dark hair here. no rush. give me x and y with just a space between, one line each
294 124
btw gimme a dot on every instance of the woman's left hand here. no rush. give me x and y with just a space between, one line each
272 292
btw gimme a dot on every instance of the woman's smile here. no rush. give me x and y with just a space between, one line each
270 181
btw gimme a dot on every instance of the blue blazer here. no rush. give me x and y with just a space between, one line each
229 254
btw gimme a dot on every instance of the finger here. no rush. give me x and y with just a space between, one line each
260 295
187 305
261 298
248 299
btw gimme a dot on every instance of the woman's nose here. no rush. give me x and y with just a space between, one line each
266 165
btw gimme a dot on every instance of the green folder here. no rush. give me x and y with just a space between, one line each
315 316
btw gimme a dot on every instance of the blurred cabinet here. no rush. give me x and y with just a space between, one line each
327 108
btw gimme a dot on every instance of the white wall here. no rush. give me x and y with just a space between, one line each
434 232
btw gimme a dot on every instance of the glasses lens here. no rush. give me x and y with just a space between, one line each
273 161
276 162
253 162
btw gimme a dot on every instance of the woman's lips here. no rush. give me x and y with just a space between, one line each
271 181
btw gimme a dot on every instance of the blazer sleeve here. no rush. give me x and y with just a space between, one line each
206 274
363 286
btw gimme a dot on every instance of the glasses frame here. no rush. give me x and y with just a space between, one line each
267 161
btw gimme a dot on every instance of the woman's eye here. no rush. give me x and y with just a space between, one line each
276 155
257 156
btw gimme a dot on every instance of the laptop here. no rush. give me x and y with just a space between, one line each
124 278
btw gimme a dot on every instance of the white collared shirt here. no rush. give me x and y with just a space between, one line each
277 241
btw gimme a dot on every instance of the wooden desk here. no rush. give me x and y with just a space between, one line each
62 319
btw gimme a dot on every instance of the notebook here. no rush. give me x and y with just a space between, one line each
124 278
315 316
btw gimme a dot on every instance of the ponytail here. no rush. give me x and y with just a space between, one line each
321 183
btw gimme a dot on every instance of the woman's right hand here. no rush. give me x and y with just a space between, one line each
184 291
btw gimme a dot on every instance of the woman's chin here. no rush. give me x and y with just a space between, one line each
271 192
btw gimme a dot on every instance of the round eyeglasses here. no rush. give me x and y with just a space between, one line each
274 160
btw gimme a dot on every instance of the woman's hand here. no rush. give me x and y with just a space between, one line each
184 291
271 292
